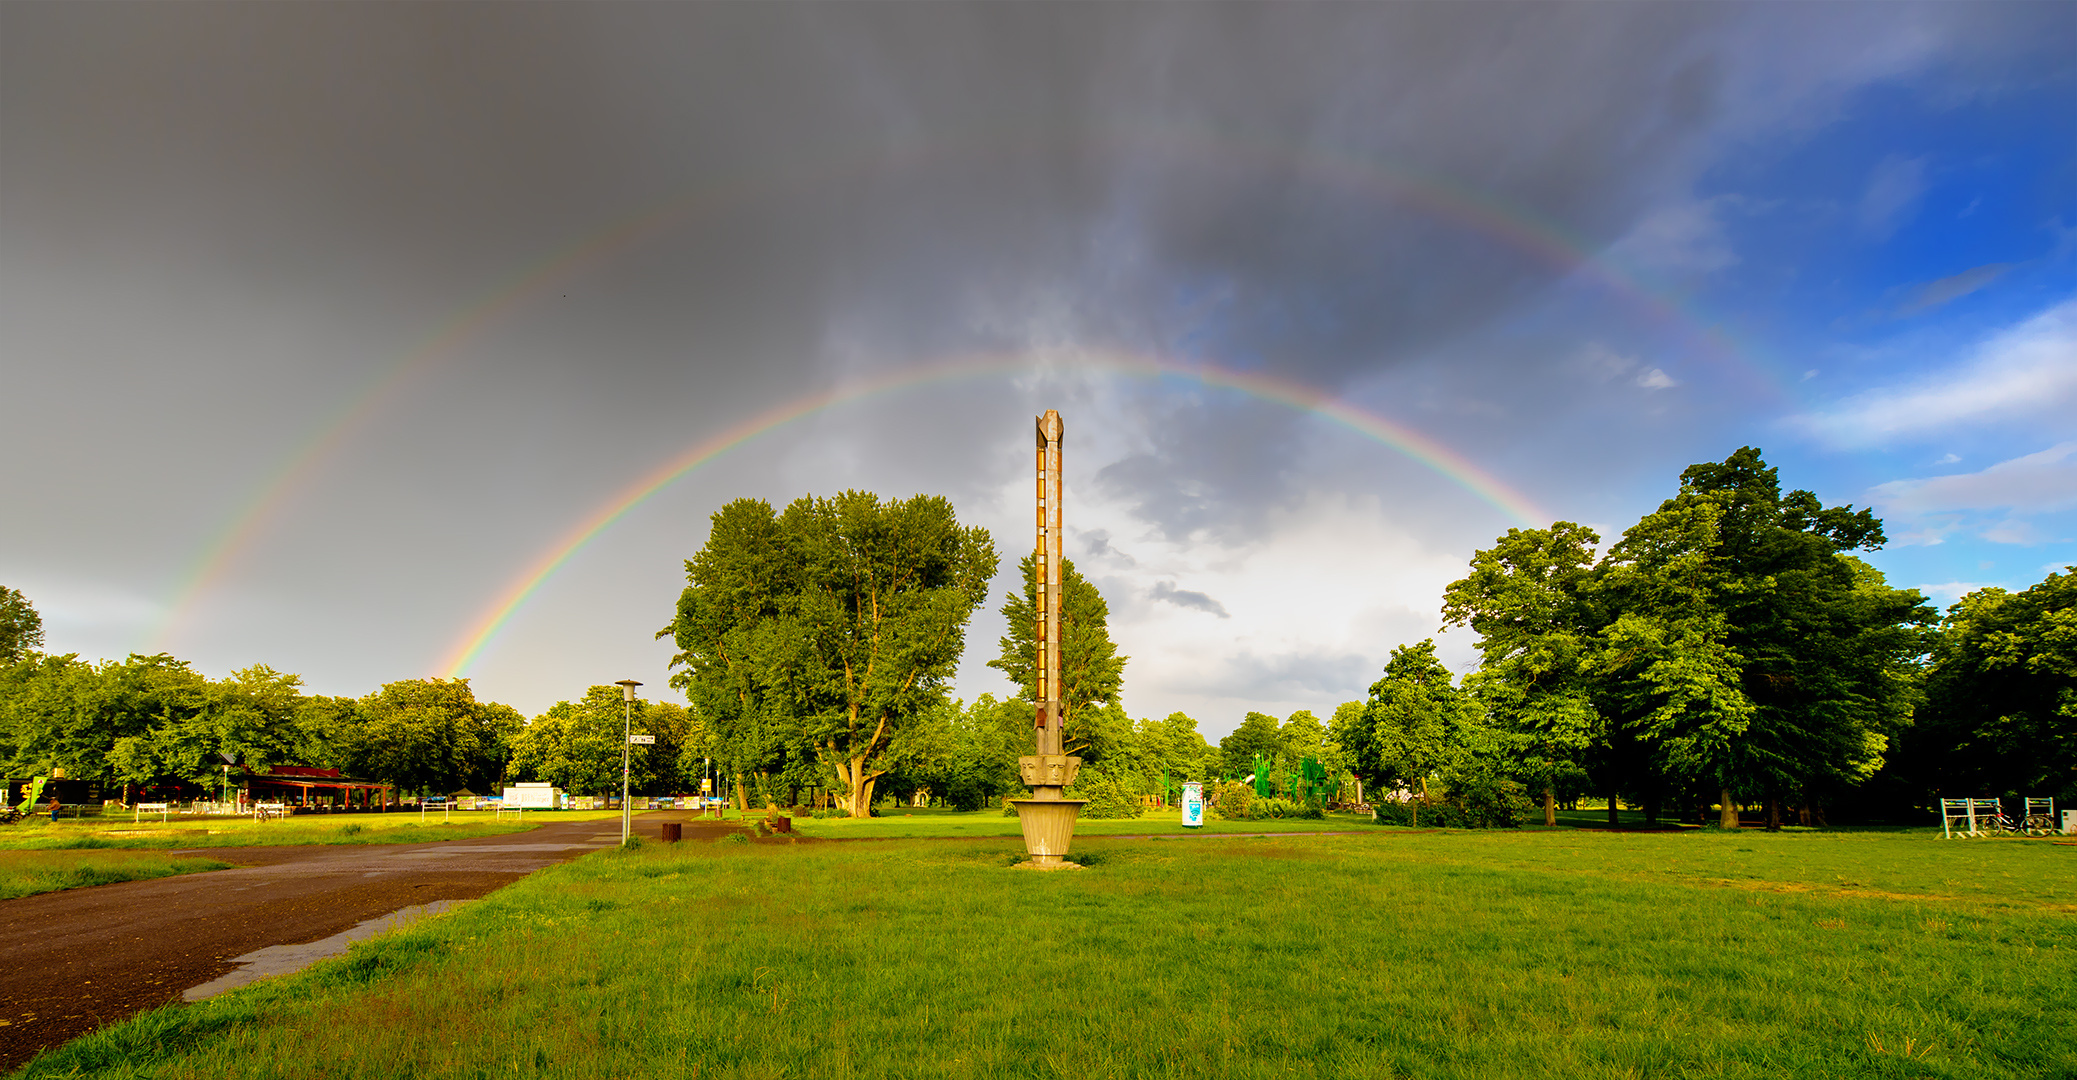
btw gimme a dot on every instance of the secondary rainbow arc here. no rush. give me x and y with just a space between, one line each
1439 197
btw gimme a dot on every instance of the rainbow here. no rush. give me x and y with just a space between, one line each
1408 441
1436 197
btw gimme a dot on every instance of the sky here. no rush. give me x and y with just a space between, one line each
372 342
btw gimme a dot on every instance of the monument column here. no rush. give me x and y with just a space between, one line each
1047 819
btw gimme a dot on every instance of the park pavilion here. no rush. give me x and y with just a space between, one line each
305 786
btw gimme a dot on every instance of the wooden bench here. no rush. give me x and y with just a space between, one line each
264 810
163 809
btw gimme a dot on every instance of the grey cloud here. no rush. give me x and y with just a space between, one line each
1953 287
1167 592
1295 676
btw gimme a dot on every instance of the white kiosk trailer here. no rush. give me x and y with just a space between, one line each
533 797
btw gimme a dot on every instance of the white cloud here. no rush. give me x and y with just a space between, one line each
1948 592
1655 379
1312 606
2031 367
1893 192
1948 459
2014 531
2041 482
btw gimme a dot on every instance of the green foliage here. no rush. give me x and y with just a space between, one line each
2001 698
1111 794
578 746
1258 735
1234 801
812 640
1727 642
148 719
1091 671
21 628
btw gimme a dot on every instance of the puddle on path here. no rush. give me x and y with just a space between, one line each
285 959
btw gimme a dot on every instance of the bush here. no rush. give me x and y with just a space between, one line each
1471 802
1237 801
1234 800
1490 802
1110 794
1270 809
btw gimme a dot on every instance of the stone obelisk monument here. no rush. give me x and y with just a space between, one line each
1048 819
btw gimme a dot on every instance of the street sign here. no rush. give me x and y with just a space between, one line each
641 740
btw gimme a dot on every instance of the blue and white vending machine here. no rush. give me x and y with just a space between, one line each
1193 806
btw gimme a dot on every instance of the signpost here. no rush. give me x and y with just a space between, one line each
1047 819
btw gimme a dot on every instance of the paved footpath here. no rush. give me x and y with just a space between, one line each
78 959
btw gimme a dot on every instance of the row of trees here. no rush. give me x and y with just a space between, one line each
1729 648
153 720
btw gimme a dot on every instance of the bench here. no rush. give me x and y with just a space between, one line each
264 810
163 809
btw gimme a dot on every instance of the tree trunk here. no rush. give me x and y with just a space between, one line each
1613 818
742 795
1773 811
1728 816
1550 805
1651 804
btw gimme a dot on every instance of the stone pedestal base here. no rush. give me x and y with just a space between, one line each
1049 827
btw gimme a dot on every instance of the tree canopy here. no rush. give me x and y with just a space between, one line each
1091 671
21 628
819 635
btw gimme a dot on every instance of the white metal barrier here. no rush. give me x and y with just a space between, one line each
2039 819
1974 817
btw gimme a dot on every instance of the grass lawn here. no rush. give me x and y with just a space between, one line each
1392 953
26 873
40 833
902 823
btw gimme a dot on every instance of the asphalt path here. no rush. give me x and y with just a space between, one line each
81 958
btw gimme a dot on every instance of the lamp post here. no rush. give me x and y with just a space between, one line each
627 742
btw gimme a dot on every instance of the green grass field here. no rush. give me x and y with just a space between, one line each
1392 953
26 873
40 833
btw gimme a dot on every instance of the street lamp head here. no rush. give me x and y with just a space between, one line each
627 689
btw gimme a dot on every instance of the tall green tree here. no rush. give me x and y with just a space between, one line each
827 629
1091 671
1418 722
21 628
1529 600
429 735
1790 660
577 746
1257 735
2001 696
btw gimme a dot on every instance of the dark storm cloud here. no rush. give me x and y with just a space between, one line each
220 224
1167 593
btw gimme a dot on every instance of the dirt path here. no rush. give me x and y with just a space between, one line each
78 959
